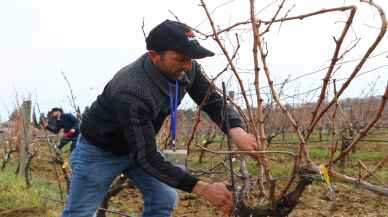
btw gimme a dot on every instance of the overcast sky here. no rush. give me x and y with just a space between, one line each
90 40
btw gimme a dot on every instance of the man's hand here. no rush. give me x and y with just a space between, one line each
244 140
217 194
69 134
43 124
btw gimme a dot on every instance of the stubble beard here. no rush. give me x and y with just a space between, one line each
168 73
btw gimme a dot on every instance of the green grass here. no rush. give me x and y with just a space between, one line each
15 195
278 167
292 138
368 156
319 153
323 153
382 174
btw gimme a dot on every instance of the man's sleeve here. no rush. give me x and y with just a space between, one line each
135 117
74 121
55 129
213 106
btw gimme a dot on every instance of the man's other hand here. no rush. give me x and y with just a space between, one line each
43 124
69 134
217 193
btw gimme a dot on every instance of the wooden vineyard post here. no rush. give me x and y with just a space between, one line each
26 138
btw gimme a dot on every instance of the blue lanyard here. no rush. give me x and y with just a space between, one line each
174 106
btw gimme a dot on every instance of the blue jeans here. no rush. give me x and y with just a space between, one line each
93 172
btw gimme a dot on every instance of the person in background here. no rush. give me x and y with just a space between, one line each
66 121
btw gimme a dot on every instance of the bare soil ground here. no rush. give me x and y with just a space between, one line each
350 200
25 212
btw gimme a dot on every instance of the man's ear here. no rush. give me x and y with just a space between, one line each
154 56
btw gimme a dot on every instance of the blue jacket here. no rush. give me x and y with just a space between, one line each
66 122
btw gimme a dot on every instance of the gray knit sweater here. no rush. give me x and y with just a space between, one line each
130 111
